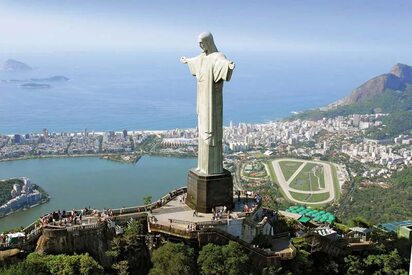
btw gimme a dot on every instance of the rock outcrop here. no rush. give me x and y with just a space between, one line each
10 256
95 241
404 72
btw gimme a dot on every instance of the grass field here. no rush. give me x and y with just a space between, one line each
299 196
310 197
275 181
335 181
289 167
309 179
321 174
318 197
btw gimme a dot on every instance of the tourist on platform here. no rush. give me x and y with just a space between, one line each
245 208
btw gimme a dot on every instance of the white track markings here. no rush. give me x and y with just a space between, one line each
328 178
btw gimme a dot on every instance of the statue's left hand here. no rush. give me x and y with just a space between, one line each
231 65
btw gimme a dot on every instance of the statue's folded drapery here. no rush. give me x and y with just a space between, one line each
210 69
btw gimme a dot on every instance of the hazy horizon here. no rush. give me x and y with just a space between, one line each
370 27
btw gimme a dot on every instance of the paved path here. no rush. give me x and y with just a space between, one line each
285 185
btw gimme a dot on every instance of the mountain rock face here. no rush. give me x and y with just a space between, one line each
396 79
14 65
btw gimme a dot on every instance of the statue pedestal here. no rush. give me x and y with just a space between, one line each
207 191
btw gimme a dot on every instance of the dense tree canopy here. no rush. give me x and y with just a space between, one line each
5 188
228 259
378 205
129 251
36 264
172 258
388 263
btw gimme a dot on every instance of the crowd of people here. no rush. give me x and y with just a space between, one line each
64 218
218 212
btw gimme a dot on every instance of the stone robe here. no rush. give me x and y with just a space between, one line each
210 71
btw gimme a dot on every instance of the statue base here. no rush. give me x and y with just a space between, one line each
205 192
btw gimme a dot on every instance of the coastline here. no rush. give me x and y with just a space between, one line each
44 201
101 156
60 156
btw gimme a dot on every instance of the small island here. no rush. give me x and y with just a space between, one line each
19 194
123 158
56 78
35 86
15 66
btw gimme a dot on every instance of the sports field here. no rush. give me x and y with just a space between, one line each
289 167
310 178
304 181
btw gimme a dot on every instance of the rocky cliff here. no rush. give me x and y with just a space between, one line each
95 241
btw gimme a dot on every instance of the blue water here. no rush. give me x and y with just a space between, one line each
154 91
83 182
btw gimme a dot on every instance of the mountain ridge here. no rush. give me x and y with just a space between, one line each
389 93
397 79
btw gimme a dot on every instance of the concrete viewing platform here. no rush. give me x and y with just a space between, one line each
178 219
177 214
171 217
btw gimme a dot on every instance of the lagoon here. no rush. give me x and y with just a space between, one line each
89 181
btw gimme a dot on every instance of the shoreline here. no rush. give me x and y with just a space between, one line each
50 156
101 156
44 201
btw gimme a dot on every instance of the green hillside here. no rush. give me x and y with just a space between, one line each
397 104
5 188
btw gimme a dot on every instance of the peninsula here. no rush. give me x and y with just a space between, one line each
18 194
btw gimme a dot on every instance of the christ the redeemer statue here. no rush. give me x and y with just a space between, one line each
211 68
209 185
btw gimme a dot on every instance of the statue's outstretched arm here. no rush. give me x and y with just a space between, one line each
184 60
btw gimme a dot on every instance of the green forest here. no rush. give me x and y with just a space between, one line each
378 205
5 188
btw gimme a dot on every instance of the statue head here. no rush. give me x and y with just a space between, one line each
206 43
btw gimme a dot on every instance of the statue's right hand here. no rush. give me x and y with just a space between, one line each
183 60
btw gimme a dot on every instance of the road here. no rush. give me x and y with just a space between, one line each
285 184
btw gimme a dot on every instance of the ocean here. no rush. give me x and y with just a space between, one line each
135 91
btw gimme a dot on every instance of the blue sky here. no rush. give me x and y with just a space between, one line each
370 27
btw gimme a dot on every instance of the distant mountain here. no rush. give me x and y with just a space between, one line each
389 93
397 80
14 65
